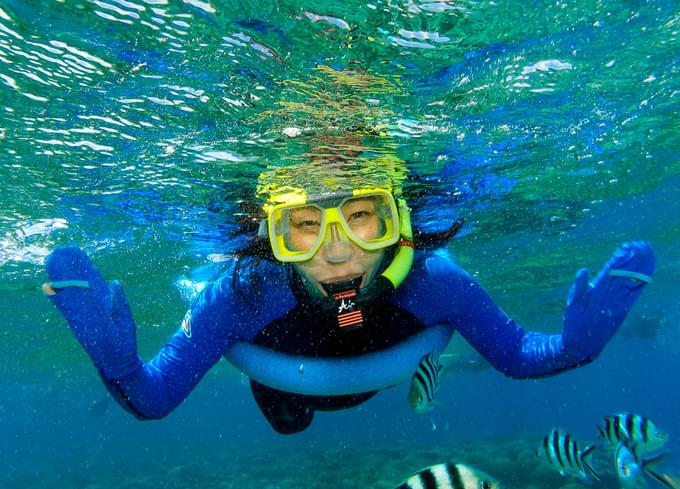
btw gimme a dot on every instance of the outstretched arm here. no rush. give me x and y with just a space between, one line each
594 313
155 388
99 317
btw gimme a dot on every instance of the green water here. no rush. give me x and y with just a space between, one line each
549 127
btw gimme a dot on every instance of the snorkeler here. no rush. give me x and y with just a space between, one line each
333 274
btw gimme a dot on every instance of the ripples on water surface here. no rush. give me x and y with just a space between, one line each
138 129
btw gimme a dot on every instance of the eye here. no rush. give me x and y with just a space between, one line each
485 485
358 210
306 225
359 218
359 214
306 219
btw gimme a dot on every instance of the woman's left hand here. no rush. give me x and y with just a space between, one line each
595 311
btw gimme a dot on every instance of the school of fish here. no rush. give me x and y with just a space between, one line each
636 442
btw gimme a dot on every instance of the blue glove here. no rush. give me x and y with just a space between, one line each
595 311
98 315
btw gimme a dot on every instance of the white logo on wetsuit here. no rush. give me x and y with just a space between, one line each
345 306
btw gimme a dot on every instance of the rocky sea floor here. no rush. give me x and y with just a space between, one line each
293 466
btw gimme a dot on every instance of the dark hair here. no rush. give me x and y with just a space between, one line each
253 254
437 239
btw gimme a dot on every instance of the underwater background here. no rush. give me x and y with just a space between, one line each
137 130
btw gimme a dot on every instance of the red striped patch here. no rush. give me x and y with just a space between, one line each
350 319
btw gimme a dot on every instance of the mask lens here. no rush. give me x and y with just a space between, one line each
370 221
304 227
296 232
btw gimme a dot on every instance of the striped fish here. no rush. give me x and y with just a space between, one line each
561 450
449 476
632 429
424 384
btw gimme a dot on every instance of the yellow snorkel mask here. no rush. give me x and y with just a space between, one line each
298 228
304 203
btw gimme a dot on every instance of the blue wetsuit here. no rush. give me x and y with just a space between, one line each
264 302
436 292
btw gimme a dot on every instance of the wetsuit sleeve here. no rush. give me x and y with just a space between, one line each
453 297
218 317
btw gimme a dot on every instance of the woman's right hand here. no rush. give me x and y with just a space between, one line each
98 314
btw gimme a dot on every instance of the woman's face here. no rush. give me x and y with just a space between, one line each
325 268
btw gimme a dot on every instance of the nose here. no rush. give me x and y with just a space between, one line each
337 247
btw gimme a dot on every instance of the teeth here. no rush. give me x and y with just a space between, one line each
335 281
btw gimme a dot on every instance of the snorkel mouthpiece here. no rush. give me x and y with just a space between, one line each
342 286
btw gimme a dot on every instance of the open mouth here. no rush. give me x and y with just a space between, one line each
342 284
342 279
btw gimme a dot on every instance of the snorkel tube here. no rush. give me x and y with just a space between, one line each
351 375
386 283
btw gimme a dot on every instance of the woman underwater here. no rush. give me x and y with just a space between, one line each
338 277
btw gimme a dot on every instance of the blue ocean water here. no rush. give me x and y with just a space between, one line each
138 129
